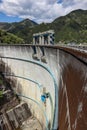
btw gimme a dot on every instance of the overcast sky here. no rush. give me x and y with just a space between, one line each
38 10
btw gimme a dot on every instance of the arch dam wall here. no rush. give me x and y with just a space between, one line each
59 71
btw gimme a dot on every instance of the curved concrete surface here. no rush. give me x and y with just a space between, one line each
69 68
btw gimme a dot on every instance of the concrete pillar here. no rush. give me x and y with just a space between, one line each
42 40
48 39
33 40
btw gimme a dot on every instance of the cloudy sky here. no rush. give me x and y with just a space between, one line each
38 10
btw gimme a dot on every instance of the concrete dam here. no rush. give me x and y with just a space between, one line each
51 84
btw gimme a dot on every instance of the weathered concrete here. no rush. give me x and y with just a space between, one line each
13 118
31 124
18 115
69 69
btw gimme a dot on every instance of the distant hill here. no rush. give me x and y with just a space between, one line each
69 28
23 24
72 27
4 25
9 38
21 29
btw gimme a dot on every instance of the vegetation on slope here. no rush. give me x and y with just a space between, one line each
9 38
20 29
72 27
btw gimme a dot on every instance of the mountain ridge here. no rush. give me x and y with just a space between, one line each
25 22
69 28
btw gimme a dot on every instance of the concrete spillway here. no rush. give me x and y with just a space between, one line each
59 71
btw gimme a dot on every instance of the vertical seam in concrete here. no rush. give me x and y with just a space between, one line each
68 112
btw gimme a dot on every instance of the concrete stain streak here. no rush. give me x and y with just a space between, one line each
68 112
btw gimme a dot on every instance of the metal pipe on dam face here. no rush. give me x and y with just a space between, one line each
70 70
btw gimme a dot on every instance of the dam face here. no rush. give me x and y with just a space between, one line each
57 73
72 93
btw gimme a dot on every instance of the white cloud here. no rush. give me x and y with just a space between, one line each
40 10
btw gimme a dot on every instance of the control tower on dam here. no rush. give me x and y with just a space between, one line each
45 85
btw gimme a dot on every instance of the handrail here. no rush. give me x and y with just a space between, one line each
55 114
